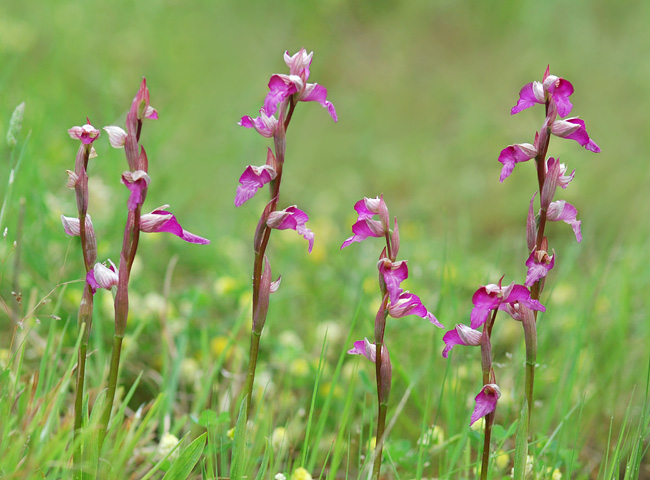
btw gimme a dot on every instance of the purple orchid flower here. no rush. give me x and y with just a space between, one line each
369 350
539 264
86 133
562 178
282 86
574 129
265 125
514 154
366 348
460 335
557 88
160 220
102 276
252 180
410 304
393 273
365 225
490 297
136 182
486 401
561 210
292 218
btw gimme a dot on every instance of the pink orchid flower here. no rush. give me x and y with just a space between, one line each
265 125
86 133
136 182
561 210
365 225
491 296
562 178
102 276
160 220
251 181
539 264
410 304
557 88
486 401
282 86
393 273
460 335
514 154
574 129
369 350
292 218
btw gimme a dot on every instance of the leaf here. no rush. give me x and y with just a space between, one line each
184 464
521 448
238 466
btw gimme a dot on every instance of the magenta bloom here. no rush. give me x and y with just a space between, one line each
574 129
265 125
102 276
393 273
460 335
366 348
365 225
557 88
561 178
561 210
539 264
514 154
161 220
369 350
292 218
491 296
136 182
410 304
87 133
486 401
282 86
252 180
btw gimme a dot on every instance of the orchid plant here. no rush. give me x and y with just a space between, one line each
518 301
109 276
285 91
395 302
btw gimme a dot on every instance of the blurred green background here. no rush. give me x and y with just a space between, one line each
423 91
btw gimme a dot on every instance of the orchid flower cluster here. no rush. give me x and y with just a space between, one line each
517 300
285 91
395 301
107 275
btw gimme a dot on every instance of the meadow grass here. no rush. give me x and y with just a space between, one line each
423 92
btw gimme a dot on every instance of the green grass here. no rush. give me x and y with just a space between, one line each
423 92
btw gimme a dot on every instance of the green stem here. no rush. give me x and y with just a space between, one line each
488 377
379 447
252 364
112 387
530 336
489 420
